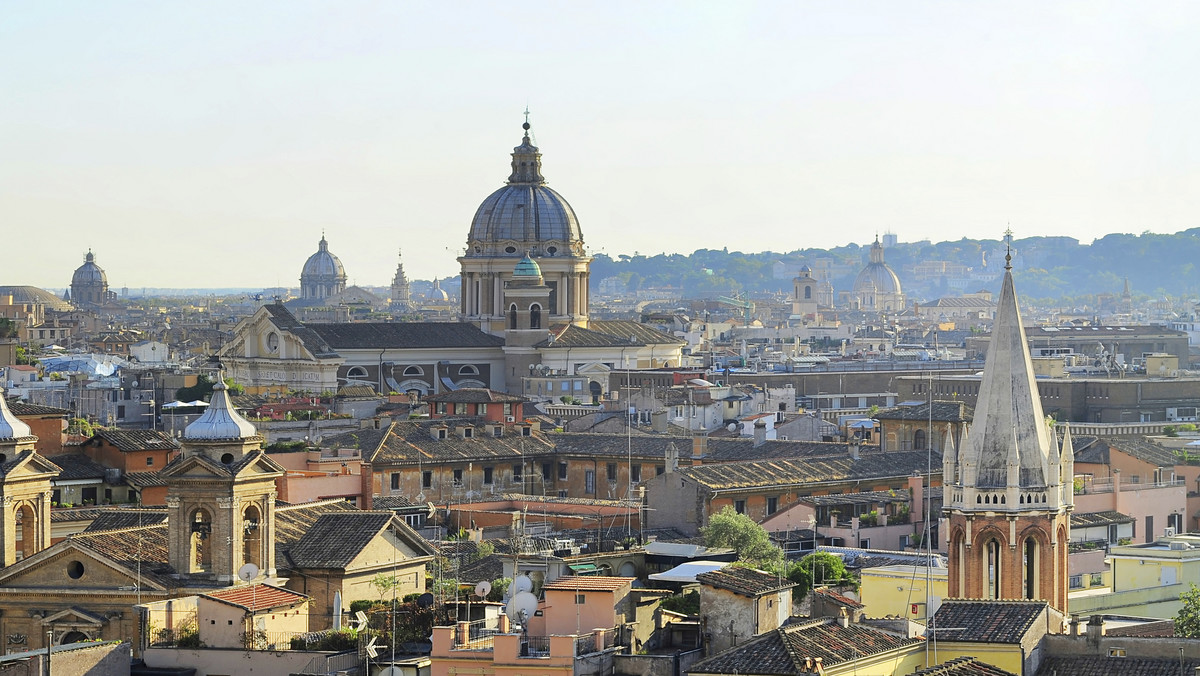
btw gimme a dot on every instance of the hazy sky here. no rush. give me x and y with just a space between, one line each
210 143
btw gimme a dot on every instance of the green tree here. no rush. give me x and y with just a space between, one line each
1187 622
738 532
824 568
8 328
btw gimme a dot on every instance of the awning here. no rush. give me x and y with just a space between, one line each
584 569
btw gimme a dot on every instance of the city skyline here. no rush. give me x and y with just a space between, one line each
148 133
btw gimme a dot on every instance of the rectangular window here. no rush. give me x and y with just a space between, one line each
527 431
546 475
1075 582
518 473
460 409
580 599
468 432
89 495
589 481
508 410
864 543
427 479
659 470
458 477
562 470
612 471
480 409
395 481
150 461
487 475
739 506
441 407
635 473
772 505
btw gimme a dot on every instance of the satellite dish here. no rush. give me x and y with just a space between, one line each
248 572
134 383
522 584
483 588
425 600
731 427
521 607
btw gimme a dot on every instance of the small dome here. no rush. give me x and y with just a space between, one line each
220 421
323 263
89 272
525 214
527 268
437 292
11 427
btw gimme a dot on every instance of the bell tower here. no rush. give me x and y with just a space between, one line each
221 497
24 490
1009 488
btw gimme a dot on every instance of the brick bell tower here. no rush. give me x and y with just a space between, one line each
1009 490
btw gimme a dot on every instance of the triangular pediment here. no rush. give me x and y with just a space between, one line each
593 368
196 466
74 616
260 465
31 465
49 568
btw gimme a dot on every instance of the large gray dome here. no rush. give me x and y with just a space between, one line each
525 215
89 272
878 276
323 263
34 295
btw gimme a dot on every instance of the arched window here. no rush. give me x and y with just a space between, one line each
414 371
356 372
28 530
512 316
200 560
467 370
535 316
252 535
807 292
992 551
1030 568
919 440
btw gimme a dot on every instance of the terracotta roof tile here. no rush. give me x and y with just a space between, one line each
256 597
963 666
138 440
792 649
744 581
987 621
1091 665
589 583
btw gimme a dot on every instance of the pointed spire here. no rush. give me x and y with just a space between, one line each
1010 427
220 421
11 427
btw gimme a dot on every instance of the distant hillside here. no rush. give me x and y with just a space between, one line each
1045 267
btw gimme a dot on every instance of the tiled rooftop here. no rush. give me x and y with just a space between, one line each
588 583
981 621
1091 665
963 666
257 597
791 650
745 581
137 440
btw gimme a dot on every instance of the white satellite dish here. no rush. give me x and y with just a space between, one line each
483 588
248 572
522 607
522 584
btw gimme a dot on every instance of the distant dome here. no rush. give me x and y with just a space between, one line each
437 292
220 420
323 263
32 294
527 268
525 215
89 272
322 275
878 276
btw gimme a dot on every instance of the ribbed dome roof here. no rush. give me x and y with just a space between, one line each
11 427
323 263
437 292
524 214
527 268
877 276
89 272
220 421
32 294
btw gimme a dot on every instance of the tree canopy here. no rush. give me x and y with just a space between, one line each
1187 622
823 568
728 528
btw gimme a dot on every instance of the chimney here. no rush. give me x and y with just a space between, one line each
844 618
853 446
699 445
760 432
672 457
1095 629
916 497
658 421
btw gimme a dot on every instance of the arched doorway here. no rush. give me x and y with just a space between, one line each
73 637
